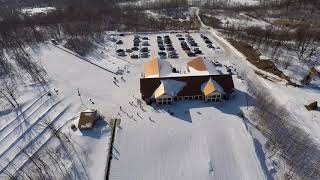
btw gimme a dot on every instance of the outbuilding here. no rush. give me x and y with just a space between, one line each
87 119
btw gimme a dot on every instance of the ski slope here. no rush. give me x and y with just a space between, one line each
210 144
160 147
151 144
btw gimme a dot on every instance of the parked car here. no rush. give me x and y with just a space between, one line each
194 44
197 51
136 41
145 38
134 56
174 56
122 54
161 53
163 57
170 49
119 42
208 41
145 43
144 55
217 64
119 50
210 46
129 50
144 49
121 34
191 54
54 42
135 49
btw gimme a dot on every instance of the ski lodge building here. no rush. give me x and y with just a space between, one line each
203 81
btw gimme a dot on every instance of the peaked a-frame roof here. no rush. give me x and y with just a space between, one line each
169 87
211 86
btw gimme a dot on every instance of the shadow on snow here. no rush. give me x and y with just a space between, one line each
181 109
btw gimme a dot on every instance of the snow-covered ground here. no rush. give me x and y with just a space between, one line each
188 140
33 11
189 143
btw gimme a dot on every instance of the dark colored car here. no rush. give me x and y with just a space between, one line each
161 53
119 50
197 51
119 42
145 49
210 46
54 42
135 49
144 55
122 54
191 54
134 56
145 43
129 50
208 41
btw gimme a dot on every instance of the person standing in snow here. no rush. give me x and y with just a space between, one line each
91 101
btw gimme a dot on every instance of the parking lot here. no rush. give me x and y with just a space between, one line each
176 48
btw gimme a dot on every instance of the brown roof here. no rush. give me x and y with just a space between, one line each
87 116
197 64
193 84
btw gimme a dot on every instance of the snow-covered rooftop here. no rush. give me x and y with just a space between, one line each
169 87
157 67
201 66
211 86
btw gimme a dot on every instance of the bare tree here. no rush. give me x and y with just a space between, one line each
8 92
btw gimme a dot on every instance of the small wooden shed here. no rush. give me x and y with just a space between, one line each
87 119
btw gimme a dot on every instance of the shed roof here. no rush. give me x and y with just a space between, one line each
88 116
